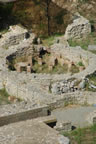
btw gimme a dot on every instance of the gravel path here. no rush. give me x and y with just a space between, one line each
76 115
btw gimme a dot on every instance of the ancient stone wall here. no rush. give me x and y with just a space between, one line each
80 28
22 115
21 112
15 35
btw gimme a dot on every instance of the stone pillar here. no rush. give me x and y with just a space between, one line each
30 61
18 69
29 69
40 61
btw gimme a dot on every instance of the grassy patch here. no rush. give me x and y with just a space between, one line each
80 63
48 41
4 96
89 40
58 69
91 80
83 135
82 44
74 69
93 51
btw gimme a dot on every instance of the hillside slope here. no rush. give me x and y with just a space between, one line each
45 18
40 17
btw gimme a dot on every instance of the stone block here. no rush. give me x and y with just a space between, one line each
30 61
62 62
21 67
40 62
80 28
29 69
53 61
63 126
50 67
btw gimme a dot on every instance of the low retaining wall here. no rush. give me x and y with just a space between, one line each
25 115
11 114
82 98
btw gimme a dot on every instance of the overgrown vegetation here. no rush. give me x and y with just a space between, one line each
80 63
89 40
41 64
49 40
74 69
44 68
91 84
83 135
4 97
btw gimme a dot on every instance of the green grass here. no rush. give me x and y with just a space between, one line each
48 41
82 44
80 63
93 51
83 135
4 96
92 80
74 69
58 69
89 40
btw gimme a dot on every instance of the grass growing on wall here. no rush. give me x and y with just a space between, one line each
48 41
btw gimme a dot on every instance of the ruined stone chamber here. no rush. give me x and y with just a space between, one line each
59 69
42 74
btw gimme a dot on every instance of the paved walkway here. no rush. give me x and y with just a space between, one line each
76 114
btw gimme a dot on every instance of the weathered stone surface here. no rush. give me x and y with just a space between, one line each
63 126
64 140
80 28
15 35
35 87
82 84
92 47
91 118
30 132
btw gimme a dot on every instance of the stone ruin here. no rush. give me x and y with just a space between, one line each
91 118
58 70
23 51
39 59
37 89
80 28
